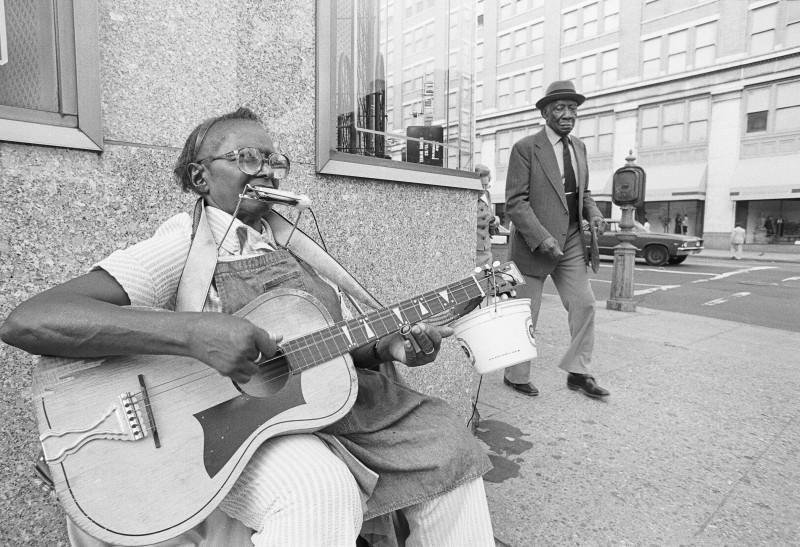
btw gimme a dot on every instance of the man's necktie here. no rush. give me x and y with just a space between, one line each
569 173
570 185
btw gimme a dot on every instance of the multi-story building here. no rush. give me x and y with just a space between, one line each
706 93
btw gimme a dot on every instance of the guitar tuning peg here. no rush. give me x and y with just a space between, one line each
504 297
478 269
495 264
514 293
487 267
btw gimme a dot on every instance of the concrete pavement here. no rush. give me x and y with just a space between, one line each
698 444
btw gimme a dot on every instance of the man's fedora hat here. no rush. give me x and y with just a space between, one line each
561 89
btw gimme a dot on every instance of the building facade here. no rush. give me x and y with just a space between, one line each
706 93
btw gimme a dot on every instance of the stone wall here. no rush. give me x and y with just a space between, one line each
165 67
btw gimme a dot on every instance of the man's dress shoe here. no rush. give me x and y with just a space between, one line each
587 384
526 389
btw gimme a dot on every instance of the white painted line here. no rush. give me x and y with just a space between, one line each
676 272
655 289
735 272
728 299
796 278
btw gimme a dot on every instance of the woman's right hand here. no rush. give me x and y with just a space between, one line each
230 344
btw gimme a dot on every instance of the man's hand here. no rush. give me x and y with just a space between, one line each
599 225
231 345
427 340
550 247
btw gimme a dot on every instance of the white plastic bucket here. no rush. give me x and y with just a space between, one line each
497 336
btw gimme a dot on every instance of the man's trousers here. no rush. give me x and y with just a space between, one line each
571 279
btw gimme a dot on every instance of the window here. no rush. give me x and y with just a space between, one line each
762 29
536 85
676 52
478 99
503 93
432 97
503 140
698 120
537 38
506 9
649 127
704 39
590 20
570 26
596 132
651 57
569 70
588 74
50 69
609 74
792 37
479 58
674 123
610 15
757 109
520 43
787 107
592 72
520 90
504 49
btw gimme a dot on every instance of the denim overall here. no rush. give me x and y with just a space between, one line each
414 442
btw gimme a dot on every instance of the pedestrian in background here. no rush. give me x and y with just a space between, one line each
737 240
646 224
685 225
487 221
678 223
547 197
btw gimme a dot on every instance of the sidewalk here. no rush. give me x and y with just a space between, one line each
697 444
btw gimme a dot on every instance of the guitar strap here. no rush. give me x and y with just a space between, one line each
198 271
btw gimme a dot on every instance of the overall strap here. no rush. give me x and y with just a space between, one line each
309 250
198 271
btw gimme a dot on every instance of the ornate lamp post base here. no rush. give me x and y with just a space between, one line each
621 298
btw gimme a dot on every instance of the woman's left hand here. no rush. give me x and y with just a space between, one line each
428 341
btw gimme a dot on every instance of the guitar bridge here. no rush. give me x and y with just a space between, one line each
123 421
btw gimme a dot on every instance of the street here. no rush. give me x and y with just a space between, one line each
750 292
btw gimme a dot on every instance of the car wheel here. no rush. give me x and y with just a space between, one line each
656 255
677 259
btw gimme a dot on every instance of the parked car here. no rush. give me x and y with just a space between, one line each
657 249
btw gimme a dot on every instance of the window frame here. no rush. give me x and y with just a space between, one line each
85 131
685 123
333 162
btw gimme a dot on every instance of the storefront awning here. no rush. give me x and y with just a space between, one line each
682 182
767 177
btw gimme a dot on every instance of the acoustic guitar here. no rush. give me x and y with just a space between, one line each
142 448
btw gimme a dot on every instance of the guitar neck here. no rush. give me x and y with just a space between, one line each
343 337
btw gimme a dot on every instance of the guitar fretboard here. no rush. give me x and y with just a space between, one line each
321 346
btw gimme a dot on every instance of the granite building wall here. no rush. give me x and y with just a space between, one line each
165 67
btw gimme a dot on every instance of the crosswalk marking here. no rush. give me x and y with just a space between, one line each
726 299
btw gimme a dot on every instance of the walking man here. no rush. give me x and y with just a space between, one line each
547 197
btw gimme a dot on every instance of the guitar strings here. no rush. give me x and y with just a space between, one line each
280 372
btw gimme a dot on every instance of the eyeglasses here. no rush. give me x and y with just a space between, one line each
251 161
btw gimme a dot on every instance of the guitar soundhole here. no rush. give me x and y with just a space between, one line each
274 374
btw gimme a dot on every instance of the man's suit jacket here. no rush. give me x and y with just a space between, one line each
536 202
